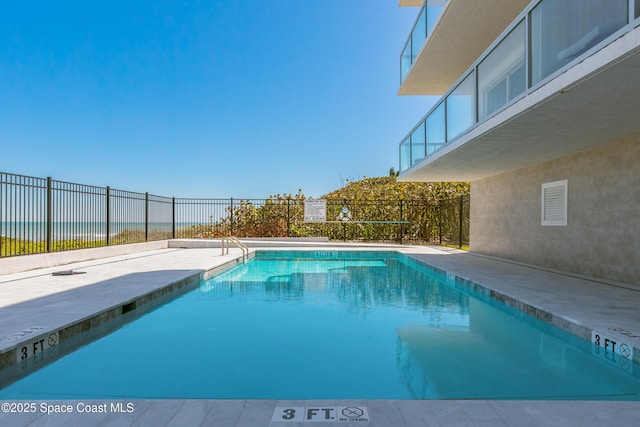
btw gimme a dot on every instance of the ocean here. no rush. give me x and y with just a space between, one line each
71 230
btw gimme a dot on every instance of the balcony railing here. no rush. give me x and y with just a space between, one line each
547 38
427 18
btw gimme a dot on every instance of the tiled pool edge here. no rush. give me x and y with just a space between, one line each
558 320
564 323
144 301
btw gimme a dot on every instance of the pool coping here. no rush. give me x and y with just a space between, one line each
8 346
458 276
62 333
580 328
569 325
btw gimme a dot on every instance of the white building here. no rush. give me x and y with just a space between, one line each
540 111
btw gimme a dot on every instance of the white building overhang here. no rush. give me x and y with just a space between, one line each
591 104
463 32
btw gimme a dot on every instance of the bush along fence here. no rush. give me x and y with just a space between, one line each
39 215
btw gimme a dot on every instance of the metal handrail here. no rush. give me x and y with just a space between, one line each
238 243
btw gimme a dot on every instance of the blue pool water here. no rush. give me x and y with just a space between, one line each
317 325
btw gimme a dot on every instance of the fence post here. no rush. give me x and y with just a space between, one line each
344 223
288 218
173 218
146 217
49 211
401 224
231 232
108 215
460 222
439 209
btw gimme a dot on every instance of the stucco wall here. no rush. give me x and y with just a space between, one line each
602 237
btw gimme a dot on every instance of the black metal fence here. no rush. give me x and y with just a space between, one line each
39 215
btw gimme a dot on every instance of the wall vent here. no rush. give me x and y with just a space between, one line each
554 203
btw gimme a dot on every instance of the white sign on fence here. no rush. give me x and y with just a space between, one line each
315 210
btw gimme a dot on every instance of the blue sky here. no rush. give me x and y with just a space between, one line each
235 98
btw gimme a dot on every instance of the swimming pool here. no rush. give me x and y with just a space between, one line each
332 325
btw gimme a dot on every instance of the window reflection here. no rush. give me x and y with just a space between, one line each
417 144
502 76
405 154
436 136
418 35
562 30
460 108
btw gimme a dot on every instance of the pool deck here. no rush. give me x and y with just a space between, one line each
34 304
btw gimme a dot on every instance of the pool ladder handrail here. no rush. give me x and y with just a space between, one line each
238 243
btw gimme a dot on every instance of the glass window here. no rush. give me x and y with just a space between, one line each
436 135
405 154
501 75
417 144
418 35
434 10
405 61
562 30
460 108
637 14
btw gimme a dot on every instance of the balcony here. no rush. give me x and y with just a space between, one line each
561 78
447 37
423 27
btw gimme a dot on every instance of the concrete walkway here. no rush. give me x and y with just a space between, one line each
38 311
381 413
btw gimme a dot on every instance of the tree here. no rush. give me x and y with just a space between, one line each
388 188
